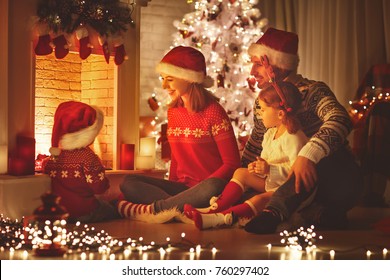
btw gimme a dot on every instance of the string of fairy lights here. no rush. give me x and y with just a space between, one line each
360 107
81 241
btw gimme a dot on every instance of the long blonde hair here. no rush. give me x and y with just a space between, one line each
199 97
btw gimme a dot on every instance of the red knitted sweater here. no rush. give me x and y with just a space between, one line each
203 145
77 176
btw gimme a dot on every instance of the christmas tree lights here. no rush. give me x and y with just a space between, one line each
222 31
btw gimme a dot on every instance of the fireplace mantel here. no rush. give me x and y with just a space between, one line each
17 77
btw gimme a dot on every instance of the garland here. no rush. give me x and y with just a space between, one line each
66 18
107 17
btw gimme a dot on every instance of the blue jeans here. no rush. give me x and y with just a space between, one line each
340 185
165 194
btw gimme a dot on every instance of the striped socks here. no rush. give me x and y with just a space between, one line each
131 210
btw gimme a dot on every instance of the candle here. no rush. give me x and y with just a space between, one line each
3 159
127 157
22 160
147 153
145 162
147 146
18 166
25 147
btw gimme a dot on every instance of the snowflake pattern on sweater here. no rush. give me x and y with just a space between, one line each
203 144
77 175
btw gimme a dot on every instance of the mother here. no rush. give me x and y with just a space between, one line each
203 145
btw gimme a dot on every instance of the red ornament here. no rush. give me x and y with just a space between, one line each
185 33
152 101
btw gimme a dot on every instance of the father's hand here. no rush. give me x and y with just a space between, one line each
305 174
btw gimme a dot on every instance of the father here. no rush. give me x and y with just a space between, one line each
324 182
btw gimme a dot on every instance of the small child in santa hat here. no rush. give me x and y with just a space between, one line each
76 171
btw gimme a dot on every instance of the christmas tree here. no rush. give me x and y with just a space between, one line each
222 30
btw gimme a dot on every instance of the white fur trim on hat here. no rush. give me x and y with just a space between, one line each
181 73
83 137
276 58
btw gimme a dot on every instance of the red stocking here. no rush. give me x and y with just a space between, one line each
120 54
43 47
85 47
61 46
106 50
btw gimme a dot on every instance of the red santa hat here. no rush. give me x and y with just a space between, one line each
76 126
185 63
281 48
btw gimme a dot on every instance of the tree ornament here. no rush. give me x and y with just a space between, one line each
61 46
85 46
185 33
152 101
220 80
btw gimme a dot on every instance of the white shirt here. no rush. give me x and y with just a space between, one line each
280 154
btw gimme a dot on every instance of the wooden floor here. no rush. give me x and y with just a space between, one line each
180 242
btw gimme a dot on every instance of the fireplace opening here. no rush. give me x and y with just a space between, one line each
91 81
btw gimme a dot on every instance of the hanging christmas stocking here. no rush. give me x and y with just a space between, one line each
85 46
120 52
106 50
44 45
61 46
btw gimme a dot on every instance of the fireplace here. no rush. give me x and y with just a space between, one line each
91 81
